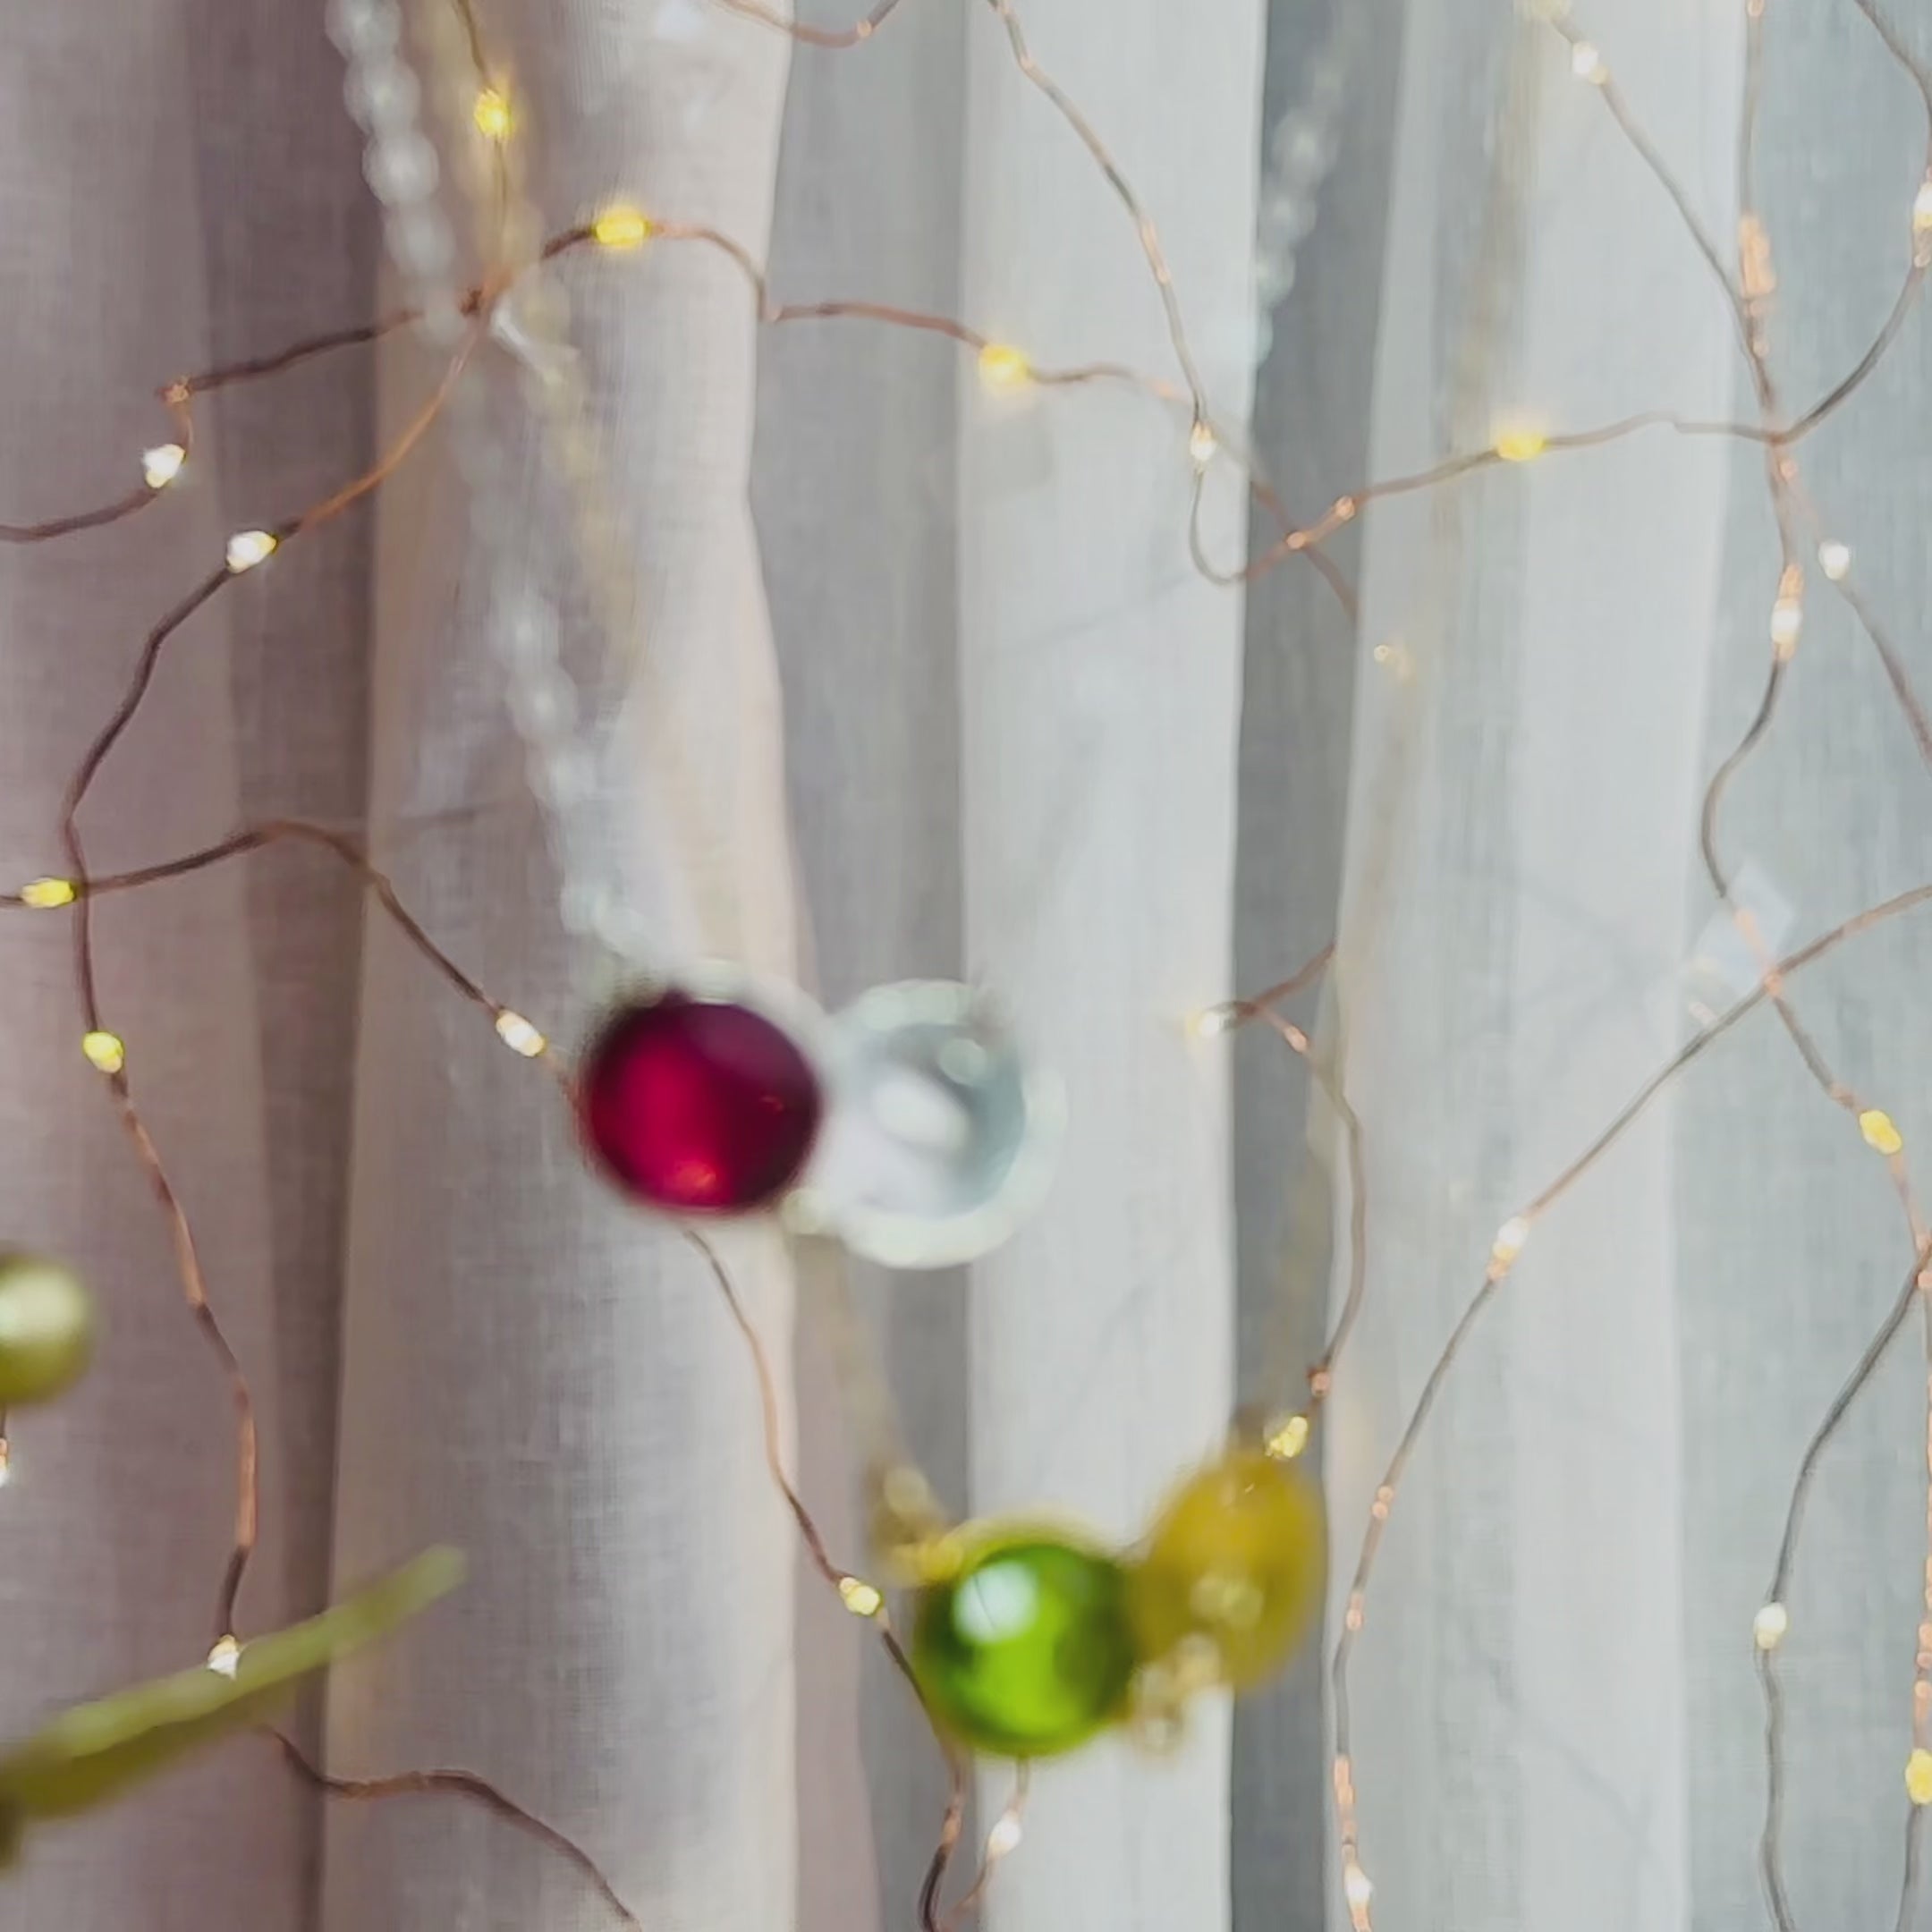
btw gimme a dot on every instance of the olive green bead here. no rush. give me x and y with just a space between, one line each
1026 1647
1237 1557
46 1329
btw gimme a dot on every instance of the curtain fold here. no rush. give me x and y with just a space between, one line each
1528 765
1099 693
532 1369
114 1525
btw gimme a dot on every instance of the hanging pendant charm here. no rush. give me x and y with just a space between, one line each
939 1136
1026 1647
702 1098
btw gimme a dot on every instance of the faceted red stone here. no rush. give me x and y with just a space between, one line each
699 1106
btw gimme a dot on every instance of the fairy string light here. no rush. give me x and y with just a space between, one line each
1751 302
1590 66
496 120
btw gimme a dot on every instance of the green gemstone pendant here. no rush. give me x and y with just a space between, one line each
1026 1648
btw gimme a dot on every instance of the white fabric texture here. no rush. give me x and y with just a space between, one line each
948 698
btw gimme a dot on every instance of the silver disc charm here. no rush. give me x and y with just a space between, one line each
939 1136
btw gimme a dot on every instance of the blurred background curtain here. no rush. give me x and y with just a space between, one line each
949 684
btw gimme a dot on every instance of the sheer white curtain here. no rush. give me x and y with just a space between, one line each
1557 1717
953 702
1528 766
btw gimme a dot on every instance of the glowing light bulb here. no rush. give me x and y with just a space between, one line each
1509 1241
1211 1021
1834 559
225 1657
1521 442
161 464
106 1052
1922 206
1357 1888
6 1463
621 227
495 118
1007 1833
1202 444
1587 65
1918 1777
1287 1442
1880 1130
248 547
1787 620
48 894
863 1600
1004 367
519 1036
1769 1625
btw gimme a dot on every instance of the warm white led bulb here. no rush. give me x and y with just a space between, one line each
1356 1887
248 547
1587 65
1509 1241
1004 367
1922 206
495 118
863 1600
225 1657
519 1036
1769 1625
1202 444
107 1053
1787 620
1007 1833
1521 442
1834 559
621 227
161 464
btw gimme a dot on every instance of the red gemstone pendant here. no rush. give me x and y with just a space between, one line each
699 1106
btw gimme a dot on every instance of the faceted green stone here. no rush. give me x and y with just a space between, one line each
1027 1650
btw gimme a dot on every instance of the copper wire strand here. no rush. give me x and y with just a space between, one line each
342 845
1750 305
120 507
1320 1372
471 1788
1779 471
1769 1868
1145 233
188 1261
833 37
115 512
1304 539
1496 1274
1011 1812
814 1543
1319 1375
